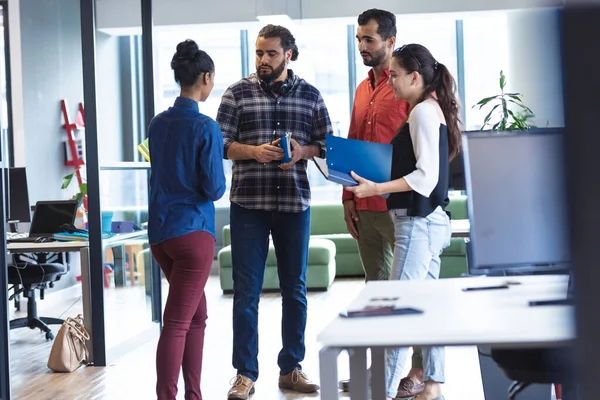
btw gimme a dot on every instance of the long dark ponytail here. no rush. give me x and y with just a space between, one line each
436 78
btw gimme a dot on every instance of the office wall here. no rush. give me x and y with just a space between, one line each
51 71
124 14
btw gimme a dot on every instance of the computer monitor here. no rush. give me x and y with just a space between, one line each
49 216
516 200
16 195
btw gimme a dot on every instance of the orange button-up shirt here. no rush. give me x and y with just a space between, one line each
376 117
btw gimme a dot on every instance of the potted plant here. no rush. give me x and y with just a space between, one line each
81 195
501 117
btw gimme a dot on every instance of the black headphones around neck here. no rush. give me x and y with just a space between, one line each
280 88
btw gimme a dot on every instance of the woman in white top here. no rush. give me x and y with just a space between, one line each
418 191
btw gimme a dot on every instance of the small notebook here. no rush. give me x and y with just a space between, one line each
378 307
286 145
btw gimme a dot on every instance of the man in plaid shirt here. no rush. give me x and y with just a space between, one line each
269 197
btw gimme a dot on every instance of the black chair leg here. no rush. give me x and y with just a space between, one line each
52 321
19 323
38 323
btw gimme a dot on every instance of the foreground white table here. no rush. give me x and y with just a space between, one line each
460 228
83 249
452 317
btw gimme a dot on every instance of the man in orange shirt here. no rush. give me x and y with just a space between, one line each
376 117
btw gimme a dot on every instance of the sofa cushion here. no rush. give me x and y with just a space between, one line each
457 248
327 218
344 242
320 251
319 275
458 207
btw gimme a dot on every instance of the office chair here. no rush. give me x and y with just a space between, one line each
28 274
529 366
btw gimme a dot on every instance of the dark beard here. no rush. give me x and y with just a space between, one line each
271 76
376 58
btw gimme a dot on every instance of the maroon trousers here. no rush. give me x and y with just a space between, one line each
186 263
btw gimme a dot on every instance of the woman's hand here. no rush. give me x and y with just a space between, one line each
365 187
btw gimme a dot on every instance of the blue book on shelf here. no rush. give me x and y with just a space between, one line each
372 161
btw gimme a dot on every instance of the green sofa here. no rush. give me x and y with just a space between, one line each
334 253
454 257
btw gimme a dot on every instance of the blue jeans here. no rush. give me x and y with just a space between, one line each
250 231
419 243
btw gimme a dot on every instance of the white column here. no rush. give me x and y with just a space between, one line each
16 84
535 64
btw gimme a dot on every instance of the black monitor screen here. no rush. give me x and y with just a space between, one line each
50 215
17 195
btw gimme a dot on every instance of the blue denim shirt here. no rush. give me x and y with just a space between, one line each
186 158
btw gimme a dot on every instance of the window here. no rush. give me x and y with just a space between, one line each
485 54
223 45
324 64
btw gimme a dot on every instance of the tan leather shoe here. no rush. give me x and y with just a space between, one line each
297 381
241 388
409 389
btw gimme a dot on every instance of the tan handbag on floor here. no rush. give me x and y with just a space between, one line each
69 350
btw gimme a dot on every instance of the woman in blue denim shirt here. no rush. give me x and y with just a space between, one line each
423 148
186 156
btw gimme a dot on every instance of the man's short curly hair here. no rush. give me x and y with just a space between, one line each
288 42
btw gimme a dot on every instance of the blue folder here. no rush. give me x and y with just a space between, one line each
372 161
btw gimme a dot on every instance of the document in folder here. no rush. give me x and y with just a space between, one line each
372 161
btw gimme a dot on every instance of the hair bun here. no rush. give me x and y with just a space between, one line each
187 49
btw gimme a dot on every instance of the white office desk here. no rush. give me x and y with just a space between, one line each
451 317
460 228
83 249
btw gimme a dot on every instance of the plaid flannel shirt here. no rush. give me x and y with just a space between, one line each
249 115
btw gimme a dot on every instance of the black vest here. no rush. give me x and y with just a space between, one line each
404 162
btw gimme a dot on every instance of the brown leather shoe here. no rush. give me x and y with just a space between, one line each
241 388
408 388
297 381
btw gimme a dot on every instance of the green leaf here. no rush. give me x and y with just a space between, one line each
83 188
496 125
483 102
67 181
502 124
523 106
517 121
515 96
504 109
502 80
489 116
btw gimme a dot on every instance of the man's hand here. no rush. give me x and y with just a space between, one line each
351 217
297 155
268 152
